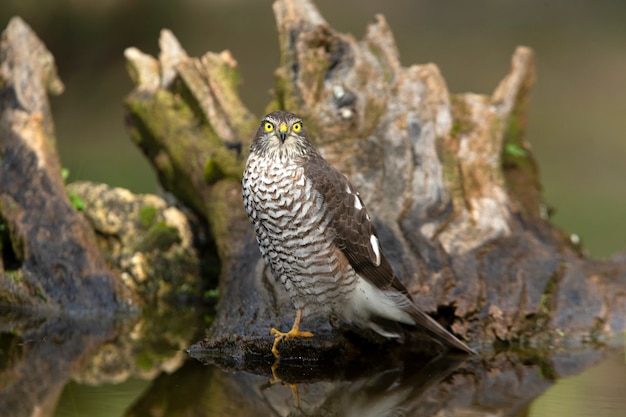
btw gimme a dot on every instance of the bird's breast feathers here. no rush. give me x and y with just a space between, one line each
278 183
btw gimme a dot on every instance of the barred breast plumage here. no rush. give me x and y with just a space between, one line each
318 239
291 222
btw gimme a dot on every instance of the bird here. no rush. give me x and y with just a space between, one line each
316 235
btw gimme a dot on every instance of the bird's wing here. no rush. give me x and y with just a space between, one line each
356 237
355 234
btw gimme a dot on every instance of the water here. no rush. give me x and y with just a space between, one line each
138 367
598 391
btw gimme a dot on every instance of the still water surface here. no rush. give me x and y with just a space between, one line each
519 390
121 368
599 391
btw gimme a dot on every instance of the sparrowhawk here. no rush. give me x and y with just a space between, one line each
319 240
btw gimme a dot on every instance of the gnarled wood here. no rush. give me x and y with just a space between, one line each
450 179
49 255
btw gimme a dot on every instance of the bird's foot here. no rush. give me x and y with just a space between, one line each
280 336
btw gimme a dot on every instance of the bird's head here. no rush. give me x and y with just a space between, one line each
281 134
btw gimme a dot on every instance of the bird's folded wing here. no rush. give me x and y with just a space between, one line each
354 231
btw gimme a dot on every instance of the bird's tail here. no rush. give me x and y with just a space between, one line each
435 329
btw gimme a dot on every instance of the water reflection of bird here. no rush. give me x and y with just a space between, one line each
396 392
316 235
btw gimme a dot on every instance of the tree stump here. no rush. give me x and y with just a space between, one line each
450 179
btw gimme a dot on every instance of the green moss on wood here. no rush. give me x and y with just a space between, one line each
513 148
519 167
167 130
212 171
15 290
76 202
159 237
147 216
461 117
447 148
285 93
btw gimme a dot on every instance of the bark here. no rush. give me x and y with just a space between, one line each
49 255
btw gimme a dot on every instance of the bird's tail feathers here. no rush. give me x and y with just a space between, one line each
426 322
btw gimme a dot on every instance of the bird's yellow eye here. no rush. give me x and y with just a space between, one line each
268 126
297 127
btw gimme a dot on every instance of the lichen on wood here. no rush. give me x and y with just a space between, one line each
148 241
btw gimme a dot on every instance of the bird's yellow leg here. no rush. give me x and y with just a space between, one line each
294 332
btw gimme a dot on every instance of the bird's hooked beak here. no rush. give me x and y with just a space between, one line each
282 132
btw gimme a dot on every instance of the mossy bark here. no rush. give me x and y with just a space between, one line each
186 117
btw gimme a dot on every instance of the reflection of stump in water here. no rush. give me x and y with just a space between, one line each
40 355
43 357
502 385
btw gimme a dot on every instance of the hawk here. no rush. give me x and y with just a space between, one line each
318 239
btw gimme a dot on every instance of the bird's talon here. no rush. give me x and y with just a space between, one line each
290 334
294 332
280 336
276 332
275 378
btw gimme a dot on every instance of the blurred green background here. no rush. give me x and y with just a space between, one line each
577 120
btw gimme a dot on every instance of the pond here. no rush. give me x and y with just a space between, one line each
121 366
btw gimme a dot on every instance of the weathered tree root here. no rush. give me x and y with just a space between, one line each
49 255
